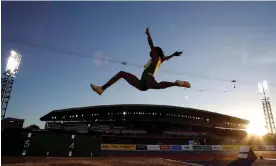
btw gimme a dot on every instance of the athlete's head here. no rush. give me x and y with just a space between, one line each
159 52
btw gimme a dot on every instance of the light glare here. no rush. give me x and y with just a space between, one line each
265 85
13 63
263 88
256 129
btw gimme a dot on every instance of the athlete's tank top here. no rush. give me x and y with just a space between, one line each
152 67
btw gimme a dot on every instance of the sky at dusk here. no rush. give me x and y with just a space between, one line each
65 46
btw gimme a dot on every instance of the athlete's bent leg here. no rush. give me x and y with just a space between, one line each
166 84
130 78
153 84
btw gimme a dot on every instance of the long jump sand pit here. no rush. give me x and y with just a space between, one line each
101 161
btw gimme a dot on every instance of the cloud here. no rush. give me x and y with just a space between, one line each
252 54
100 59
250 48
263 59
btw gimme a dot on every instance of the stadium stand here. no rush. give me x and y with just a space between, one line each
149 124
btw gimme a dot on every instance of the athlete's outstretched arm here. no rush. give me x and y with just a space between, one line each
149 39
154 54
177 53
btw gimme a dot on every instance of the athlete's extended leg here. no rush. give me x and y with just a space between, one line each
130 78
166 84
153 84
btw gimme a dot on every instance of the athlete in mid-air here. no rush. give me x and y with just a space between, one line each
147 80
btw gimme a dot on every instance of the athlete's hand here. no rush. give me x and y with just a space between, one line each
177 53
147 31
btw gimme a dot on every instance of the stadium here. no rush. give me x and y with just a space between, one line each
149 124
142 133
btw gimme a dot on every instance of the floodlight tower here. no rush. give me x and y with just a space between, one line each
8 79
269 120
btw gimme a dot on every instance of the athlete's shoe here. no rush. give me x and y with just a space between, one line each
97 89
183 84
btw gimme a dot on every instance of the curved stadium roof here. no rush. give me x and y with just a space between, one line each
104 109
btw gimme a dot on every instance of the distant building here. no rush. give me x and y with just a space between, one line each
149 124
12 123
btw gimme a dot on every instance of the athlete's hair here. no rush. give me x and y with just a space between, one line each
159 52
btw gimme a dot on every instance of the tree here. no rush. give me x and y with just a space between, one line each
33 126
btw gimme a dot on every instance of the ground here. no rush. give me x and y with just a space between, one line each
113 161
102 161
219 160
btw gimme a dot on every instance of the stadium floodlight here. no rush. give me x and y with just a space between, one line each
8 79
263 88
13 63
269 120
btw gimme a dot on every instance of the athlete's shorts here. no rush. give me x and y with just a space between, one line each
143 80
